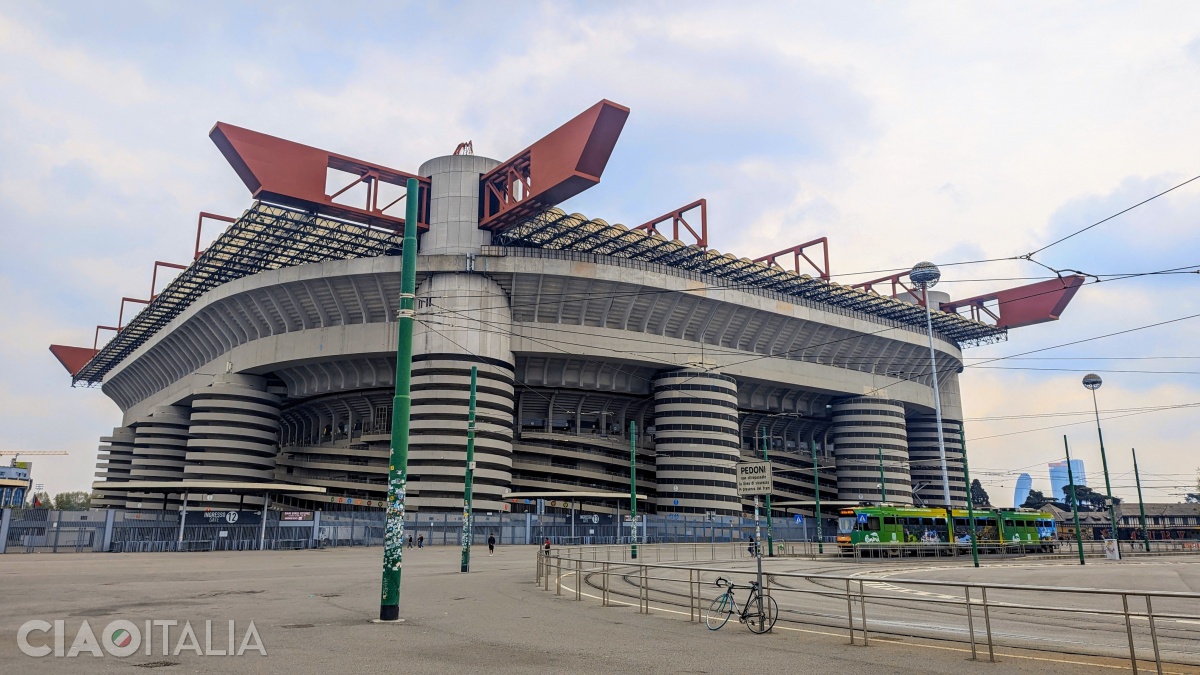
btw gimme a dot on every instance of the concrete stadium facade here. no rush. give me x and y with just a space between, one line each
286 375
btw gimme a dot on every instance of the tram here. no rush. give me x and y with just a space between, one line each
893 530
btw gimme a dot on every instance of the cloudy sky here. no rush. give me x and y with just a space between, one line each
942 131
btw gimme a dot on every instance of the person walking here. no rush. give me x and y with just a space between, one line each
546 547
410 541
752 545
420 541
491 544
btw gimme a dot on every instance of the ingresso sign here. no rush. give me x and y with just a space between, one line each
753 478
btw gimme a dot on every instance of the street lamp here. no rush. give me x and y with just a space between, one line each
1092 382
926 275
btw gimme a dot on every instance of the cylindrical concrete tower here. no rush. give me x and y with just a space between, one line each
463 320
454 204
926 463
160 444
116 456
696 442
234 433
159 448
862 427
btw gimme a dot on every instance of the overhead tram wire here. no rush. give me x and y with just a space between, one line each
1105 220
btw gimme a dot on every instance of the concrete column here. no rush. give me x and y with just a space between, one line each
926 463
110 518
862 426
696 442
454 204
234 433
463 321
5 519
114 463
159 449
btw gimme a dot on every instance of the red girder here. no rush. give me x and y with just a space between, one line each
677 219
562 164
200 225
96 339
154 275
896 282
73 358
1023 305
292 174
797 252
121 315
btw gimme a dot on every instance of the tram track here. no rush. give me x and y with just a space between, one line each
907 616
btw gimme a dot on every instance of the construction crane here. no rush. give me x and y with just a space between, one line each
43 453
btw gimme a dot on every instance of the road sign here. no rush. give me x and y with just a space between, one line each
753 478
862 519
799 519
676 502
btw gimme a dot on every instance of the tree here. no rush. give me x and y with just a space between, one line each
1089 499
979 496
39 500
1035 500
72 501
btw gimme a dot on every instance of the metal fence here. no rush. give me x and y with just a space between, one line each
149 530
1145 626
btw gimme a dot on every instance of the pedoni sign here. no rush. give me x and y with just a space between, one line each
121 638
753 478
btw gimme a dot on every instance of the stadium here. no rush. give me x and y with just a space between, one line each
269 360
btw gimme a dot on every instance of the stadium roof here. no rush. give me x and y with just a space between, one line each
268 237
265 237
555 229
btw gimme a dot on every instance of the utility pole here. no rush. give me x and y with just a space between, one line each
469 478
812 444
962 435
633 488
770 532
882 482
1141 504
393 544
1074 501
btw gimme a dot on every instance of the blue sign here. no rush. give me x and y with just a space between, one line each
862 519
676 502
799 519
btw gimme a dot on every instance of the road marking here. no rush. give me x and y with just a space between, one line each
890 640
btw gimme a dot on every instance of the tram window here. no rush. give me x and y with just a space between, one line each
873 523
927 521
985 522
889 520
960 522
1008 522
940 522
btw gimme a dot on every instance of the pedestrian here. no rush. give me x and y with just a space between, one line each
491 544
750 547
420 541
410 541
546 547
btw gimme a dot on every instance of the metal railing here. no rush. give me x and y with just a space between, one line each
680 589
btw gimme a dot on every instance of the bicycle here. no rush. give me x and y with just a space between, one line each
759 613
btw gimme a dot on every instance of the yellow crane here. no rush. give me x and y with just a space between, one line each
42 453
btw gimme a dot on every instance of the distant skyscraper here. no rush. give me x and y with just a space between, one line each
1024 484
1058 477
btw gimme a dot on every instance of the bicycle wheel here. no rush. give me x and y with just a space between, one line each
762 622
719 611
